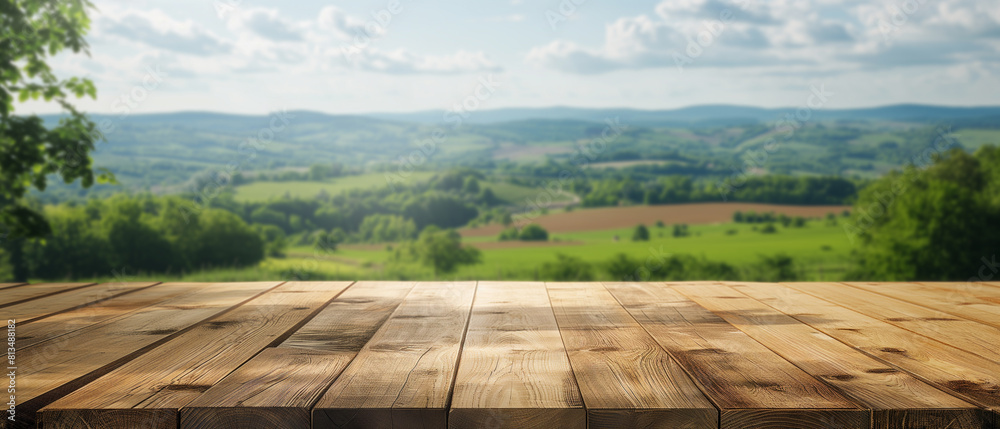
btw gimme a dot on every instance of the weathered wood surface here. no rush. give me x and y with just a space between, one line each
277 388
149 390
514 372
403 377
505 354
19 294
888 392
625 378
748 382
74 353
35 309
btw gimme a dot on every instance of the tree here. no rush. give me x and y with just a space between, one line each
30 32
641 233
226 241
932 224
442 250
381 228
533 232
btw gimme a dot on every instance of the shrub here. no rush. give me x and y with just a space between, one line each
641 233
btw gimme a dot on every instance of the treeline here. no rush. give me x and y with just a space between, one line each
933 221
622 267
139 234
682 189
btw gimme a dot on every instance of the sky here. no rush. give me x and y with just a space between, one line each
254 57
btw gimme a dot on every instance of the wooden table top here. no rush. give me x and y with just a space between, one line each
495 354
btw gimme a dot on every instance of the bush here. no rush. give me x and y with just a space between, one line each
533 232
681 230
769 229
566 268
777 268
641 233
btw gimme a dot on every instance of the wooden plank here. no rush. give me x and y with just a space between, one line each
956 371
54 365
21 294
897 399
150 389
277 388
962 333
951 298
403 377
752 385
35 309
8 285
625 378
350 320
514 371
53 326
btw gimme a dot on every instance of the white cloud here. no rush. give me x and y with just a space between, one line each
779 33
266 23
157 29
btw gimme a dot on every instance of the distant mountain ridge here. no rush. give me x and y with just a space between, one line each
704 115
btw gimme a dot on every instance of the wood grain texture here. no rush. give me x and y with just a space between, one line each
888 392
625 378
19 294
29 311
53 326
962 333
55 365
747 381
274 390
953 370
957 299
277 388
403 377
514 372
9 285
349 321
168 377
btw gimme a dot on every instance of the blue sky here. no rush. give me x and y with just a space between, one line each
250 56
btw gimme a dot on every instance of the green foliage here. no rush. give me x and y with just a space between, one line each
566 269
681 230
31 31
775 268
143 234
533 232
641 233
621 267
440 250
769 229
509 234
937 223
274 238
381 228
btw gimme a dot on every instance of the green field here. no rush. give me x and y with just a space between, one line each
821 253
263 191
